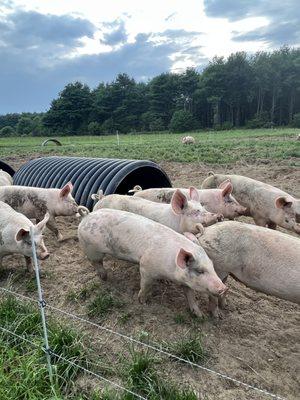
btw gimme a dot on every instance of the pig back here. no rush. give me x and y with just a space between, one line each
128 236
263 259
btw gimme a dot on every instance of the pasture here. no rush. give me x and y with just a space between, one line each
255 342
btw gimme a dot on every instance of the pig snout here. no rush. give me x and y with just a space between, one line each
211 219
43 255
218 289
297 228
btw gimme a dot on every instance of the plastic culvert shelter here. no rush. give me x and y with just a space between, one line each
88 175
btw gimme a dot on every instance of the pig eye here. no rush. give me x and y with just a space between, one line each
199 271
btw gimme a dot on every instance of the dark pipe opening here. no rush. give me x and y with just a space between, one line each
7 168
144 177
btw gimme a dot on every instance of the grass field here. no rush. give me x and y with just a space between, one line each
215 147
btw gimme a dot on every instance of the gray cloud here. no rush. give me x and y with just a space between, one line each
284 18
33 68
23 29
116 35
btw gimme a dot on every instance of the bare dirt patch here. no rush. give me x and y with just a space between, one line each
257 342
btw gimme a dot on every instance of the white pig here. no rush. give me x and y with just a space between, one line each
265 260
161 252
5 178
219 201
181 214
268 205
15 234
35 202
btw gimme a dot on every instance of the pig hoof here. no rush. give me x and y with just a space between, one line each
197 312
142 298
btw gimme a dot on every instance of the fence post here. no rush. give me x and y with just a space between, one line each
42 305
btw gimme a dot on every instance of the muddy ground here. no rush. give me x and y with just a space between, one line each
256 342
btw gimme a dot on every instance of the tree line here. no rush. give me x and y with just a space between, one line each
252 91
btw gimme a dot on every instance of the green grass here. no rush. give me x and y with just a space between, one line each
189 348
215 147
24 374
141 377
23 371
103 303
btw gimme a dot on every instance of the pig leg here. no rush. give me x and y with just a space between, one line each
146 283
51 224
191 299
213 307
28 264
98 264
222 303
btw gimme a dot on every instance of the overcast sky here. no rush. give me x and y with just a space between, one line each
45 44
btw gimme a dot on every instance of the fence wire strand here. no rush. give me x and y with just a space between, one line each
158 349
72 363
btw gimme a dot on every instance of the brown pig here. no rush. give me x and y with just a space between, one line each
265 260
35 202
219 201
181 214
268 205
15 234
160 252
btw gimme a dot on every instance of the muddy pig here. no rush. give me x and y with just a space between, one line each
265 260
266 204
5 178
219 201
160 252
35 202
181 214
15 234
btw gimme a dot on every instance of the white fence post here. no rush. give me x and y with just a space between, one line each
42 305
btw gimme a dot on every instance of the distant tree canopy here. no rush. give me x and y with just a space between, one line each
261 90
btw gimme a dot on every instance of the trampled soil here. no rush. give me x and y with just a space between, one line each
256 342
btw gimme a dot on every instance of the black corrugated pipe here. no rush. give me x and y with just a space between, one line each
88 175
7 168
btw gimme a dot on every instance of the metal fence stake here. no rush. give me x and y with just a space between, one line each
42 305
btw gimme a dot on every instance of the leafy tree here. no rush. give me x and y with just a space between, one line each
25 126
182 121
94 128
7 131
296 121
70 112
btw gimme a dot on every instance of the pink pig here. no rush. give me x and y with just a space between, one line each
35 202
268 205
161 252
15 234
219 201
181 214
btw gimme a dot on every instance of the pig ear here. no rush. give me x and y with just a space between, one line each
282 202
194 195
66 189
191 237
184 258
223 184
178 201
226 188
41 225
22 234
